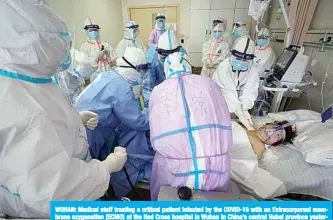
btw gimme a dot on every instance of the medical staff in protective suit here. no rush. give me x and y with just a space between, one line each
214 51
167 44
155 35
120 117
72 80
130 39
264 55
190 133
239 85
226 35
100 53
240 31
44 152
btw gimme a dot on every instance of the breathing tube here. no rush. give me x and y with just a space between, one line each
281 127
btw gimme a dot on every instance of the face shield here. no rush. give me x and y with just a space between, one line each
240 60
93 34
263 37
163 54
160 23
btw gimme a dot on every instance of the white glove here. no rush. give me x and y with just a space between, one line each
248 117
115 161
137 91
245 118
89 119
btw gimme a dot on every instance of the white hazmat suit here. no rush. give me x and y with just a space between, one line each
240 31
130 39
226 35
264 55
214 51
43 145
239 85
100 53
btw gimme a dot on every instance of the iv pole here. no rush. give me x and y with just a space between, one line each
288 29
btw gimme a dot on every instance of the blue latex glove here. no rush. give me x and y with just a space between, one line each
327 114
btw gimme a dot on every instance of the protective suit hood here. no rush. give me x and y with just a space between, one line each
220 28
242 29
136 57
129 30
35 39
177 64
168 41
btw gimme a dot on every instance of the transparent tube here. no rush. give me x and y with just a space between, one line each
280 127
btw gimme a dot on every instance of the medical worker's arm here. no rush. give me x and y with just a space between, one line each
111 54
128 111
224 54
222 78
92 58
151 39
49 171
205 51
120 49
250 90
151 54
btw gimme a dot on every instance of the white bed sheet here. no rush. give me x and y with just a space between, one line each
288 165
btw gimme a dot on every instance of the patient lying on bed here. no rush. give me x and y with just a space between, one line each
248 147
262 137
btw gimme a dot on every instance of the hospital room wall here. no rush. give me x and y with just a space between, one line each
107 13
185 19
322 20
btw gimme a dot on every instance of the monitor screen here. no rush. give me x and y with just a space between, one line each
285 58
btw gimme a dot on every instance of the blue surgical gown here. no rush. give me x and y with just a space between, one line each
156 74
120 122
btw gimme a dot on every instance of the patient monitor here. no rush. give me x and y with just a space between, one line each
291 66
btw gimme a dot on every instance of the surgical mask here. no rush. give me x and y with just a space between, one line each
262 42
239 65
93 35
66 63
236 33
161 25
217 35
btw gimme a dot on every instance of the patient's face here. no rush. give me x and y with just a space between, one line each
269 135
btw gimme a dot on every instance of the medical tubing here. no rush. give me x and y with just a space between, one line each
131 184
280 127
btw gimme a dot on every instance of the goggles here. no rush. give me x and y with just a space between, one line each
139 68
218 22
136 26
92 26
262 37
167 52
238 25
160 17
242 56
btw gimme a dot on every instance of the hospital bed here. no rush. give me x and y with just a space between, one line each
299 177
288 163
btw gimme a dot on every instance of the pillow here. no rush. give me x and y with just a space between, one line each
316 144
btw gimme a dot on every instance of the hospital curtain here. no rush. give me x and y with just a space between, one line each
300 16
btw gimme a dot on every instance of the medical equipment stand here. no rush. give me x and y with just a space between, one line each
280 93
